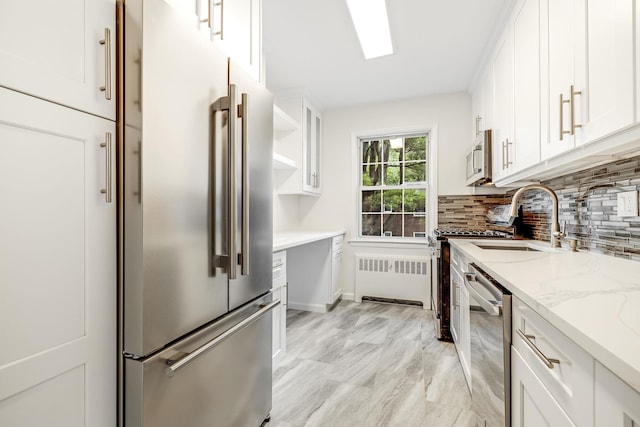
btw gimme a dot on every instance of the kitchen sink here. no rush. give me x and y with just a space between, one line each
490 246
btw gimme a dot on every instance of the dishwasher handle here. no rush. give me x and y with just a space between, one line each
494 308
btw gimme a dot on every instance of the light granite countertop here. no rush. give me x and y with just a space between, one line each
594 299
289 239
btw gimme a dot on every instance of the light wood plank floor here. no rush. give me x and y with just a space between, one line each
368 364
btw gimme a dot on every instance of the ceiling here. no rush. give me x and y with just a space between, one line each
438 44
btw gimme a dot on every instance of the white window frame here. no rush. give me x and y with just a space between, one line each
431 187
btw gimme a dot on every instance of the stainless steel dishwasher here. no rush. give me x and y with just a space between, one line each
490 330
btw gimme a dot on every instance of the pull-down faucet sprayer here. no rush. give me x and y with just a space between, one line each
556 234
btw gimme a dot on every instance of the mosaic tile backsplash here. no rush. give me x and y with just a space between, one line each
587 202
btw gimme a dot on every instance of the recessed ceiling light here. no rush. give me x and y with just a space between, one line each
372 25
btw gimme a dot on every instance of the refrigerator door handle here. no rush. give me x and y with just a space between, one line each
244 257
228 104
174 365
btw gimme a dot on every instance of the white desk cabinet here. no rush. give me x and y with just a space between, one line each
280 312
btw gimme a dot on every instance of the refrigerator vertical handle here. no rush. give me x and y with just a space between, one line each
228 104
244 108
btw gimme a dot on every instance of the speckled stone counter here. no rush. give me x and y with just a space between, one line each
593 299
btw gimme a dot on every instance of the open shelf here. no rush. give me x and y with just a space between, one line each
282 122
283 163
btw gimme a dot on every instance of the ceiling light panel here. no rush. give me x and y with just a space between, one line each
372 25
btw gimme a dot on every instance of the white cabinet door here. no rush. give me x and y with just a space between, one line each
53 50
616 404
531 403
336 276
57 266
525 31
476 111
609 93
502 65
487 100
563 59
236 28
311 136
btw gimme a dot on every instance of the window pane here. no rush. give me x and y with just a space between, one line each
392 225
415 172
414 200
371 201
416 148
371 163
371 175
392 201
414 225
371 224
371 152
393 150
392 174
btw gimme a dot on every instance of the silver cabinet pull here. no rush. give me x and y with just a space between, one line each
219 4
138 152
243 110
527 340
508 144
572 99
478 119
107 64
228 103
176 365
107 191
562 131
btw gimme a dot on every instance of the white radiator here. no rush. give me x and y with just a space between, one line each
393 277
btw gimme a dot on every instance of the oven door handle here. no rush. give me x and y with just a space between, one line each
494 308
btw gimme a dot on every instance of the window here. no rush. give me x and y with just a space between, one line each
393 186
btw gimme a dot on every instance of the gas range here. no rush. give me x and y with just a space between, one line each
440 286
461 232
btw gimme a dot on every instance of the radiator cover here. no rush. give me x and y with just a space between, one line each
392 277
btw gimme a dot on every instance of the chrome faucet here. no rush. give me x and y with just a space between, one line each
556 234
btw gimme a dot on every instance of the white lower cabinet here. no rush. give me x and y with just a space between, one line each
57 265
616 404
280 312
336 269
532 405
560 365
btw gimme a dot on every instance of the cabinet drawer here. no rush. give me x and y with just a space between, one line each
279 265
570 379
337 242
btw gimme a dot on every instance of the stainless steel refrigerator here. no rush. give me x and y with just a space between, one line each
195 227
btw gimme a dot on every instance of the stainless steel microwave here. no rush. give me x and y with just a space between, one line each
479 160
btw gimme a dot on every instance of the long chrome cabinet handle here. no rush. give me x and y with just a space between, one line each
138 152
107 191
572 99
562 131
176 365
107 64
244 113
228 103
221 5
508 144
527 340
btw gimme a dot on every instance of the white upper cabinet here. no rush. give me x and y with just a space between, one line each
502 143
525 30
62 51
236 27
609 85
303 146
562 88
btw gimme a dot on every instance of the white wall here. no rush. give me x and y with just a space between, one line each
337 208
285 210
